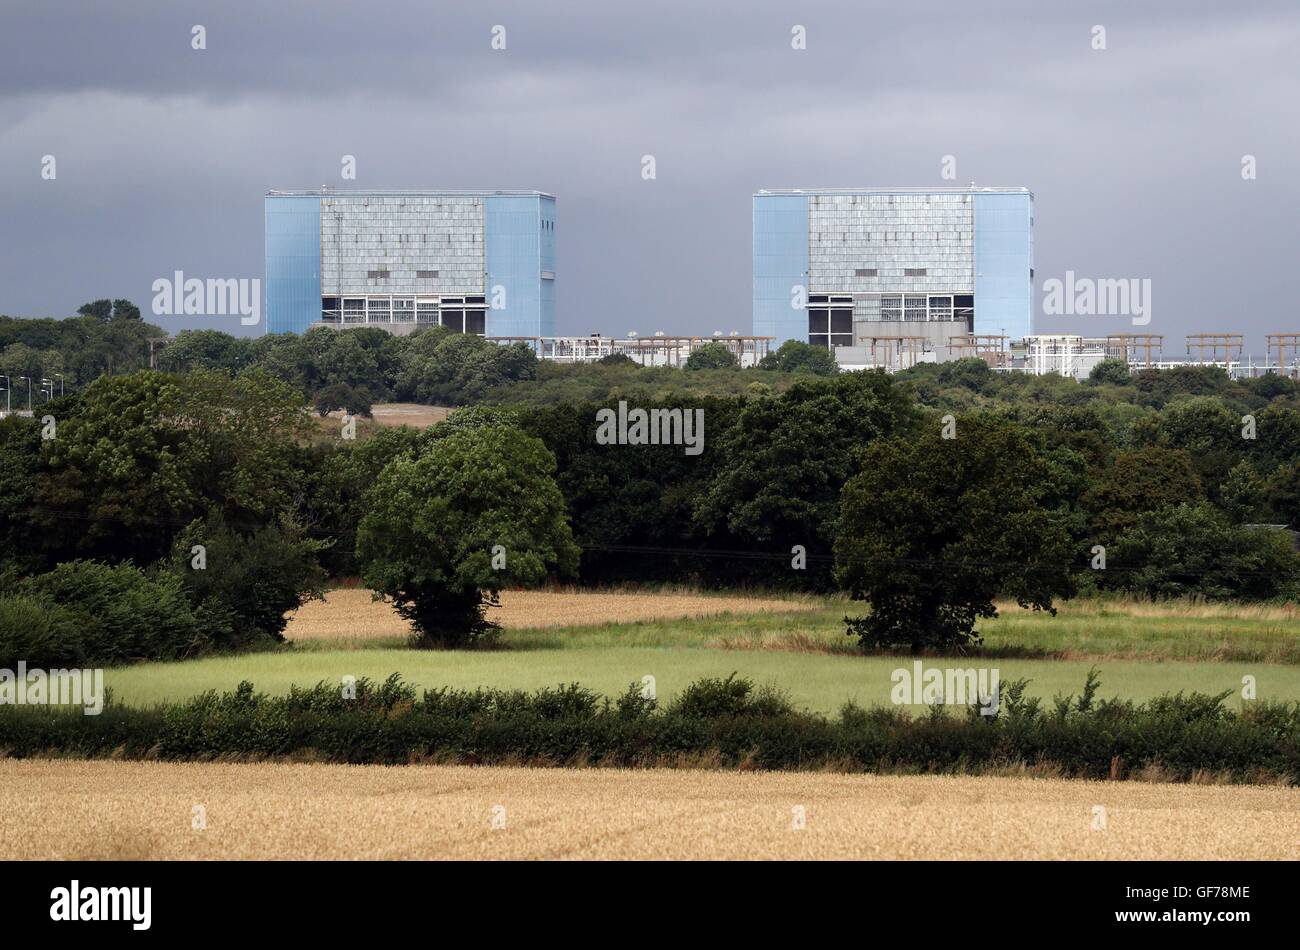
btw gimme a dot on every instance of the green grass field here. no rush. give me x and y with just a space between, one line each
816 681
1141 650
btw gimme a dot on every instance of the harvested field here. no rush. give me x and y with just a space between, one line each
408 414
144 810
352 614
382 415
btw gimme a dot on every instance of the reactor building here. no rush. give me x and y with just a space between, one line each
895 276
480 262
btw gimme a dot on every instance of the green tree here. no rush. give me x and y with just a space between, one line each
1110 371
712 355
19 360
242 583
1162 385
147 453
342 396
796 356
101 309
444 368
110 310
1135 482
1283 493
125 310
1193 550
969 372
1271 385
933 529
124 614
342 473
445 531
206 349
617 359
782 465
1242 495
20 470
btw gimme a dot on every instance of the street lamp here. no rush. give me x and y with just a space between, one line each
29 392
60 375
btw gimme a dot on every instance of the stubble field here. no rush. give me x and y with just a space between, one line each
353 613
147 810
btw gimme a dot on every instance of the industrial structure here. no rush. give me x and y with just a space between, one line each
480 262
657 350
888 277
1075 356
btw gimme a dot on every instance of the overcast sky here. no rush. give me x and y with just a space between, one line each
1134 153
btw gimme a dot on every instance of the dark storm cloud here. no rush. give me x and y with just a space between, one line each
1133 153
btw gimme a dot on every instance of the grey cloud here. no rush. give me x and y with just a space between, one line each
1133 153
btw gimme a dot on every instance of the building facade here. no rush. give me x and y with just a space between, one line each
888 276
478 262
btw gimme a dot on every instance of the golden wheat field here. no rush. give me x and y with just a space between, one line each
149 810
353 614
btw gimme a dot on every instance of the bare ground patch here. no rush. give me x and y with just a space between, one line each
352 614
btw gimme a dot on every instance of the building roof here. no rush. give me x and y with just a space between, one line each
903 190
327 192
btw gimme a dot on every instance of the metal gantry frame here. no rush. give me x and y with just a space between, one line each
906 347
1230 343
1128 345
1288 352
647 350
990 347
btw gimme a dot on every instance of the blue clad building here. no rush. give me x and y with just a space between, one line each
478 262
917 268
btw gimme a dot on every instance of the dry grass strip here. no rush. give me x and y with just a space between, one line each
353 614
144 810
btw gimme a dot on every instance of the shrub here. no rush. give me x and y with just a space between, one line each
711 356
969 372
725 721
123 613
355 400
796 356
711 698
1188 549
1112 371
41 634
248 580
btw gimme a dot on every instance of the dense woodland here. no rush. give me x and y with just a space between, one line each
184 510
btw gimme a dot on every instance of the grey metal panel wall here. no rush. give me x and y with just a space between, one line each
890 233
401 234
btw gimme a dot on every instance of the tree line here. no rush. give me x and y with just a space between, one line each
215 496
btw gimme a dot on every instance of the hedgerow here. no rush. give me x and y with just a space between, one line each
724 722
